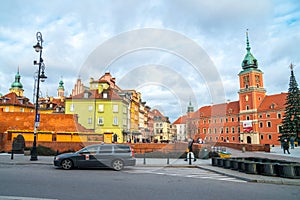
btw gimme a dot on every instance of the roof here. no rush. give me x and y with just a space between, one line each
180 120
230 108
273 102
48 122
93 94
15 100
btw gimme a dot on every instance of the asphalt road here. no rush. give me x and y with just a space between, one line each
47 182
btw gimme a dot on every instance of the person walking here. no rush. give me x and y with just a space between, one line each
286 146
292 141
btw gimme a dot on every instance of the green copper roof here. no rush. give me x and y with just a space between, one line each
249 60
190 107
61 85
17 83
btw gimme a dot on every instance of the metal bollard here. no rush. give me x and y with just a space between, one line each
168 159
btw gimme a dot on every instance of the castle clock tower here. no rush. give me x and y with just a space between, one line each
251 94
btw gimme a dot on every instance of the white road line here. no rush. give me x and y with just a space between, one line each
21 198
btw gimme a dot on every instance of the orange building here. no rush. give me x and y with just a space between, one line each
255 118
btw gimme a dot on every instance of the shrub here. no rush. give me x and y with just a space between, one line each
45 151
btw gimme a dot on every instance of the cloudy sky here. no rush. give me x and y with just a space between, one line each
170 51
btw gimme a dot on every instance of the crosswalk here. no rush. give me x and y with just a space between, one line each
185 172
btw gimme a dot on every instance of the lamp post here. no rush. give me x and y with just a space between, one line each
40 77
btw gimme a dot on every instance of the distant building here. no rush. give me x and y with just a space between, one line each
14 101
161 127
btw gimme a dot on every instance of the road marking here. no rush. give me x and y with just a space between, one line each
190 174
22 198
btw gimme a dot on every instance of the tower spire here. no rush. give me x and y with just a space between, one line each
247 42
249 60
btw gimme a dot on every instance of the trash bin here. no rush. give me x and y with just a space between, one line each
226 163
250 167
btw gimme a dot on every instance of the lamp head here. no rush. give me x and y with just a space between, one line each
38 47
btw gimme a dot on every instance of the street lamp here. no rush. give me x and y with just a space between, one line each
40 77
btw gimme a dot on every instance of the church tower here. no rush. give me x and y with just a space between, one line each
190 108
17 86
61 89
251 94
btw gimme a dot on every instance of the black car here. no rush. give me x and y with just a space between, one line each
114 156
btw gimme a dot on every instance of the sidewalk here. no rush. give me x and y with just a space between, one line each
276 153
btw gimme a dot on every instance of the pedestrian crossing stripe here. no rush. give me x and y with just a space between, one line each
200 175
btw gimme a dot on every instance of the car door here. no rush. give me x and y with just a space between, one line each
105 155
87 157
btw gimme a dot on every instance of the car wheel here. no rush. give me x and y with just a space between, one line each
67 164
117 165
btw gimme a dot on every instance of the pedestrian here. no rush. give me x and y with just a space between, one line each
190 145
286 146
292 141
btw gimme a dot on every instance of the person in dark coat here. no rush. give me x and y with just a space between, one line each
286 146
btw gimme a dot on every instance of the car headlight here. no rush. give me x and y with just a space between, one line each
56 158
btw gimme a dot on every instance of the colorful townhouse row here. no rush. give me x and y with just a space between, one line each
255 118
101 112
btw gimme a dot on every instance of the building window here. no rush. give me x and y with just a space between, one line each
247 107
227 130
260 116
269 124
261 124
215 130
104 95
232 129
90 108
226 119
72 108
221 130
22 110
268 115
115 120
279 115
204 130
248 117
233 138
100 108
270 137
232 119
124 109
261 137
90 120
100 121
115 108
86 95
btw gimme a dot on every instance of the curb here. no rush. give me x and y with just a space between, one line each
226 174
280 181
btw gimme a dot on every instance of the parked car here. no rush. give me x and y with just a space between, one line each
114 156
